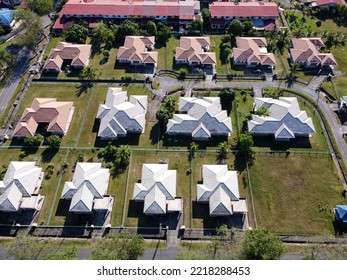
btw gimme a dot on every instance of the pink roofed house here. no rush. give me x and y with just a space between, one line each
48 111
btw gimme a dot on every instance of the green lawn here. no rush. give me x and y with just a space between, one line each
326 25
340 54
282 65
295 194
221 68
328 86
341 85
167 54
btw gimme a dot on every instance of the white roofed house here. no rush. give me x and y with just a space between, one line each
20 186
120 116
285 120
157 189
200 118
220 189
87 190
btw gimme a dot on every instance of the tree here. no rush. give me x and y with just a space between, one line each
26 247
32 26
41 7
33 140
102 35
163 115
89 73
245 145
294 69
247 26
227 96
273 92
205 13
223 149
163 33
195 25
235 28
261 244
170 104
5 58
193 147
123 154
123 246
77 33
151 28
262 111
127 28
53 141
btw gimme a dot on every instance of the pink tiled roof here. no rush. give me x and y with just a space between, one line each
45 110
244 9
136 49
327 2
248 49
191 49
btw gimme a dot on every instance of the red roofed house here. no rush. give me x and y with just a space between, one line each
137 51
194 51
260 13
306 53
45 111
329 3
76 55
172 13
252 51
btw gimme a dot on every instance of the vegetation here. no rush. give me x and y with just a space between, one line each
227 96
89 73
119 156
223 150
41 7
163 115
123 246
245 145
77 33
261 244
53 141
33 140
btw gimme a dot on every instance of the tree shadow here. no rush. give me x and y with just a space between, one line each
81 89
48 154
154 134
270 142
135 210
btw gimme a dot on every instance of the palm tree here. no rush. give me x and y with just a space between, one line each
89 73
193 147
294 69
170 104
123 154
223 149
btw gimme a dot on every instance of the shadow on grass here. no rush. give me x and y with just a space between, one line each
131 140
340 228
269 142
154 134
48 154
185 141
201 211
82 88
135 210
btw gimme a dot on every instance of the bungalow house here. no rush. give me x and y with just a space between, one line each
306 53
56 115
170 13
252 51
195 51
118 116
200 118
68 54
262 14
137 50
157 190
88 188
6 18
11 3
220 189
327 3
20 186
285 120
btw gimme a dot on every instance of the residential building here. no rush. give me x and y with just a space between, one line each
68 54
195 51
6 18
252 51
262 14
200 118
285 120
56 115
120 117
20 186
87 190
11 3
171 13
157 190
137 50
220 189
327 3
306 53
341 213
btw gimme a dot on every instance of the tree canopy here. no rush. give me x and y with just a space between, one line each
53 141
77 33
41 7
123 246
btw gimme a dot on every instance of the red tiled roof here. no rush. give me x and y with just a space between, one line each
244 9
327 2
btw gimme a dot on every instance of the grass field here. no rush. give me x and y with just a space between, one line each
299 199
220 67
167 54
340 85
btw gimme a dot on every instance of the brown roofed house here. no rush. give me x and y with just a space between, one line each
137 50
252 51
57 116
195 51
76 55
306 53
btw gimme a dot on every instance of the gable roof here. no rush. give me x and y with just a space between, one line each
253 49
6 16
341 213
220 188
200 118
21 180
118 117
158 184
193 49
285 119
77 53
307 50
45 110
136 48
244 9
318 3
90 181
